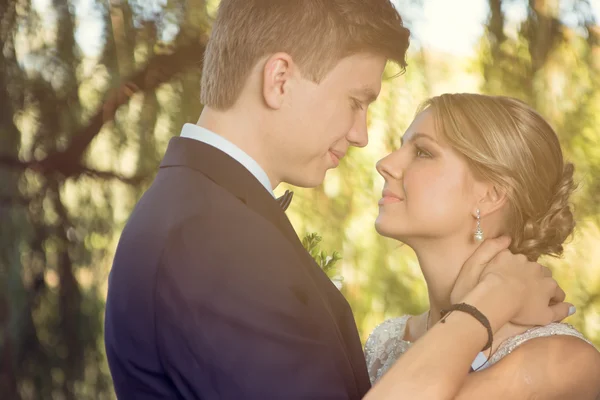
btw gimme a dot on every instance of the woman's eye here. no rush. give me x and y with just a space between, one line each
421 153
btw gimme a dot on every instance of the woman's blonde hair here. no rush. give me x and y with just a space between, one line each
509 144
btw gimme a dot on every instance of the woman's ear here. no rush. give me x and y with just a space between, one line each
490 199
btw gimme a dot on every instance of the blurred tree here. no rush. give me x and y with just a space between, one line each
91 92
555 67
81 134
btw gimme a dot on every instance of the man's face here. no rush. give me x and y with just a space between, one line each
321 121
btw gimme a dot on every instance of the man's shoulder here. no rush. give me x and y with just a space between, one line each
182 196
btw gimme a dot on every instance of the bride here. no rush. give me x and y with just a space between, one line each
470 167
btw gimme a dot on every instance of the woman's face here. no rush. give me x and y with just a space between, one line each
429 190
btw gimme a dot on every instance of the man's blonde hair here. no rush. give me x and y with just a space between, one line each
317 34
509 144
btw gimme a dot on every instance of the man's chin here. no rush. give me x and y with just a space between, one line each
308 180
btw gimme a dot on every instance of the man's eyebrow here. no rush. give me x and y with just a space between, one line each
416 136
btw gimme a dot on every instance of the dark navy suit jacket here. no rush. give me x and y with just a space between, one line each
212 296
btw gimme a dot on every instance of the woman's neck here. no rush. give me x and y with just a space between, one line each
441 262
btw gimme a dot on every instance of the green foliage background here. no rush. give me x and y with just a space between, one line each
85 117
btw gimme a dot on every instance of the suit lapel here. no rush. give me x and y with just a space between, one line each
229 174
235 178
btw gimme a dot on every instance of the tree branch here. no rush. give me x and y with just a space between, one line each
13 163
108 175
161 69
13 201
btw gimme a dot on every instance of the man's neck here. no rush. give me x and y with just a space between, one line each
241 130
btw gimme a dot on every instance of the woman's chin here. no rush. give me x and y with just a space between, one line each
385 230
380 227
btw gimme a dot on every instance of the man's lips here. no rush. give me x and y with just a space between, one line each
336 156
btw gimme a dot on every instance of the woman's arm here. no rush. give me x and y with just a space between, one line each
549 368
511 288
436 366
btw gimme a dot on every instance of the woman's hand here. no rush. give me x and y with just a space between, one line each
531 295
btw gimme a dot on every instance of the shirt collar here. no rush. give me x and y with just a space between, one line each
204 135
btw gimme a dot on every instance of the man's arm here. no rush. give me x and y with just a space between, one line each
550 368
511 288
237 319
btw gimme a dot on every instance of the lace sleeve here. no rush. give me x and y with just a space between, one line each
384 346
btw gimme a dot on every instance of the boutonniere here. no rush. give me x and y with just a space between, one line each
325 261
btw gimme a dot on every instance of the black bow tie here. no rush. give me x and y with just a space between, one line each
285 200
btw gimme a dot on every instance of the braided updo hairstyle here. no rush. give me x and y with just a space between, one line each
509 144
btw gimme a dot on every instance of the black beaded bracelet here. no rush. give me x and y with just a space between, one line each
475 313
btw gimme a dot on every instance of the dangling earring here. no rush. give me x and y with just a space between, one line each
478 232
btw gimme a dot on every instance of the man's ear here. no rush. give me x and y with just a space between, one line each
278 73
490 199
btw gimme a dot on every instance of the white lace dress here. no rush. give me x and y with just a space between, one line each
385 345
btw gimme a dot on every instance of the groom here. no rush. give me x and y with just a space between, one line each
211 294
